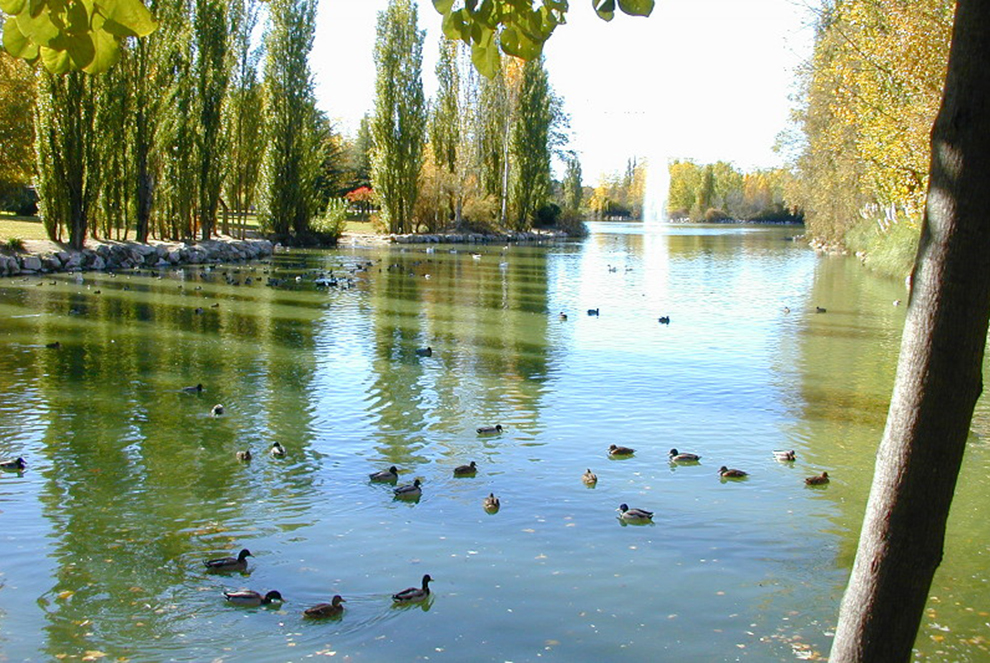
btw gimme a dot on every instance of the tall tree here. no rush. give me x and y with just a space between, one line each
939 373
445 124
16 127
573 187
211 68
398 126
287 187
531 144
493 122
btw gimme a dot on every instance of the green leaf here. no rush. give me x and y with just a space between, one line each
106 52
443 6
558 5
12 7
78 18
514 42
455 26
55 61
636 7
131 14
485 55
604 8
16 42
38 29
79 47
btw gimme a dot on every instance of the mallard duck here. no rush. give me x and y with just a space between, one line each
787 455
614 450
589 477
250 597
238 563
409 491
425 352
592 311
817 480
726 473
664 320
216 410
389 475
677 457
466 470
489 430
13 464
414 594
194 389
277 450
333 609
244 455
54 345
821 309
491 503
634 515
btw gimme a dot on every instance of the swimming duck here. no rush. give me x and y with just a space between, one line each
817 480
250 597
277 450
414 594
489 430
676 457
491 503
664 320
634 515
563 317
391 474
589 477
193 390
592 311
238 563
13 465
216 410
244 455
466 470
785 455
820 309
333 609
409 491
726 473
425 352
614 450
54 345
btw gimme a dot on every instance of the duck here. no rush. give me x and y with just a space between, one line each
821 309
785 455
409 491
333 609
413 594
664 320
491 503
216 410
489 430
277 450
13 465
250 597
424 352
677 457
391 474
563 317
817 480
466 470
634 515
244 455
238 563
614 450
54 345
592 311
589 477
194 389
726 473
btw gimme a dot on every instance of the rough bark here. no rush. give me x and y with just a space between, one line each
939 374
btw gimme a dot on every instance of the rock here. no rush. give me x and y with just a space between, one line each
51 263
98 263
30 264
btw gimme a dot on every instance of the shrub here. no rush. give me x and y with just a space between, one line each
14 244
334 221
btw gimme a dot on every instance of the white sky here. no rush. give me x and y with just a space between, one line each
701 79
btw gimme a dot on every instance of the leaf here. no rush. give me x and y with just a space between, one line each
636 7
57 62
443 6
16 42
131 14
514 42
12 7
604 8
38 29
80 49
484 55
78 15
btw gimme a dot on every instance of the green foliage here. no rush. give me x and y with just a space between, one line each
531 144
398 127
886 248
77 35
14 244
718 191
516 26
16 126
333 223
573 189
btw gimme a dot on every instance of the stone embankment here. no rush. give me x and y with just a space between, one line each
48 257
477 238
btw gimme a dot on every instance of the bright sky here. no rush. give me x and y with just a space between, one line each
700 79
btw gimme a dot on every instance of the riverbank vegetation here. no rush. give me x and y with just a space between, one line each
719 192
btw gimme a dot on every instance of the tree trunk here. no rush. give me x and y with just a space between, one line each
939 375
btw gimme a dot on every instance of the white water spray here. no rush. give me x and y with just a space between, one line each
657 186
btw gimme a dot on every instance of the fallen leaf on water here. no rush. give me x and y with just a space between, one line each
66 594
93 655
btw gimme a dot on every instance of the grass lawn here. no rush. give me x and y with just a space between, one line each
21 227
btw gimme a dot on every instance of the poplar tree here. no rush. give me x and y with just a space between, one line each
573 190
289 167
531 144
398 126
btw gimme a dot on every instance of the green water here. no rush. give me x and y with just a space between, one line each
131 483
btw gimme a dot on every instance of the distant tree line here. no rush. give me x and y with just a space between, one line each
719 191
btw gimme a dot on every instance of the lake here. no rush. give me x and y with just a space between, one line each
131 483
